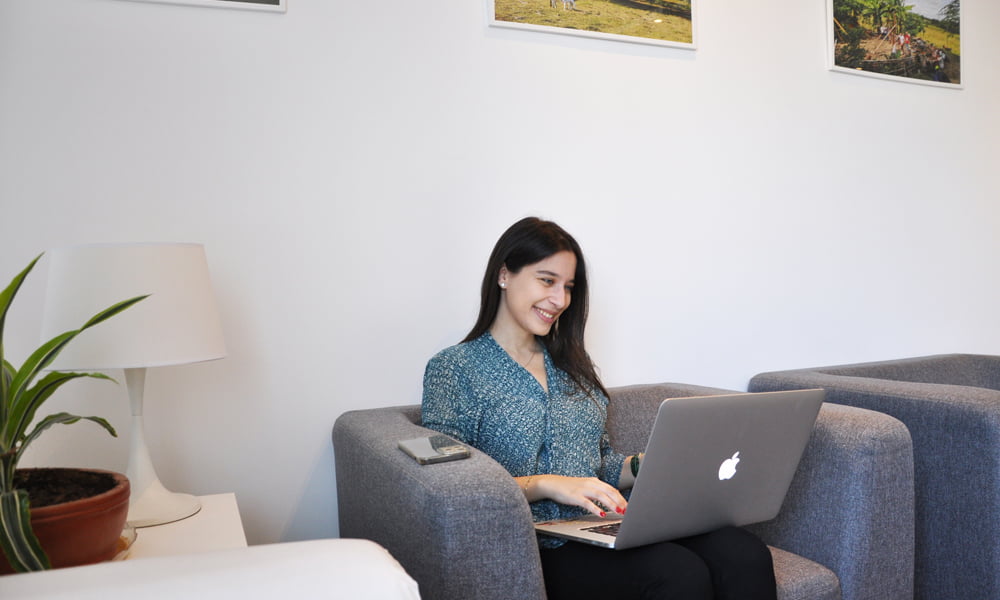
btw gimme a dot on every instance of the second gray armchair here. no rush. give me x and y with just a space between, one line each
951 405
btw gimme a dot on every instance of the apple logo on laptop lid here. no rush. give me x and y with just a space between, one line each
728 467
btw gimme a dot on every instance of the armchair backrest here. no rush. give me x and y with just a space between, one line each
971 370
632 410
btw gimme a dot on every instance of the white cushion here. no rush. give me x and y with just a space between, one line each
331 568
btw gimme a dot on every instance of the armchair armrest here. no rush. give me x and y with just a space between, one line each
461 529
851 504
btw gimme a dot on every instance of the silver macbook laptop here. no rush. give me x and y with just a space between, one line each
710 461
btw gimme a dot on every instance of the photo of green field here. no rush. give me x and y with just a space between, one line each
661 20
915 39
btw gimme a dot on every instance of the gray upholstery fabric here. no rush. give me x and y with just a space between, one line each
463 530
951 405
799 578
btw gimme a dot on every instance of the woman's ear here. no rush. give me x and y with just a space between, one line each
502 277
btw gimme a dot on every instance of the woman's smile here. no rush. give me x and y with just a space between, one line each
548 317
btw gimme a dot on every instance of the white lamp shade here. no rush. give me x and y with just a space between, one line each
177 324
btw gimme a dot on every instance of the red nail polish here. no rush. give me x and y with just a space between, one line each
620 510
603 514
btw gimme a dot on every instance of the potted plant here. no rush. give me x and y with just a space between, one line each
20 398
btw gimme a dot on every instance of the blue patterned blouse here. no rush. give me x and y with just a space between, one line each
477 393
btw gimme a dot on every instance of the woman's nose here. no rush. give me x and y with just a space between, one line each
559 297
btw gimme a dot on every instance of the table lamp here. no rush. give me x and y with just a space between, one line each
177 324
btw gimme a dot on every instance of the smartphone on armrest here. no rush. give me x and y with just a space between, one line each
434 449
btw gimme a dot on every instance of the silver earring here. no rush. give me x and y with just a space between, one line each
503 284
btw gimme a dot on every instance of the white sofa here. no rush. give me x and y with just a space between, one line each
331 568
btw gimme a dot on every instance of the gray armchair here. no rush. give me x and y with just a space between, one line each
951 405
463 529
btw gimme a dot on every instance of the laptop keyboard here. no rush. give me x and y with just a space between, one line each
609 529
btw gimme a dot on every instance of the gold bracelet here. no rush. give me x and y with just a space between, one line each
524 488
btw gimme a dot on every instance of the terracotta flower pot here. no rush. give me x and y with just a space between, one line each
81 532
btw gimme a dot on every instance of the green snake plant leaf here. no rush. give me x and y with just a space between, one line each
47 352
29 370
18 541
6 297
62 418
112 310
22 414
6 375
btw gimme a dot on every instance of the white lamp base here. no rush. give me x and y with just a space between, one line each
157 506
151 503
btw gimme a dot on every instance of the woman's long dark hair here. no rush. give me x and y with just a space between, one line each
527 242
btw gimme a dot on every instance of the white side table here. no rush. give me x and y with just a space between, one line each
217 526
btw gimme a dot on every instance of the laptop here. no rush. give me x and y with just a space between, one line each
711 461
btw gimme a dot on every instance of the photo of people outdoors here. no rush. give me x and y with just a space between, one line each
666 22
915 39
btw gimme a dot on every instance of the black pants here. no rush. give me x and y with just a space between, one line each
727 564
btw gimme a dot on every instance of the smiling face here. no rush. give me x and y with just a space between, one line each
533 298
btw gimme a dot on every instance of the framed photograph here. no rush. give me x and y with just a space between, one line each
915 41
271 5
655 22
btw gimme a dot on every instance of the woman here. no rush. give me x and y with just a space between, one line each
521 388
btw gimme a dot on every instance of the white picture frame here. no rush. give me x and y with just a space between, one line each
911 41
262 5
669 23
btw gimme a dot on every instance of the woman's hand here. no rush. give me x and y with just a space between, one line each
589 493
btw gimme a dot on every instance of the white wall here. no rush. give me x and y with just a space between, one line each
349 164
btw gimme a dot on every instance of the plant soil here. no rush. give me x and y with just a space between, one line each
46 487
